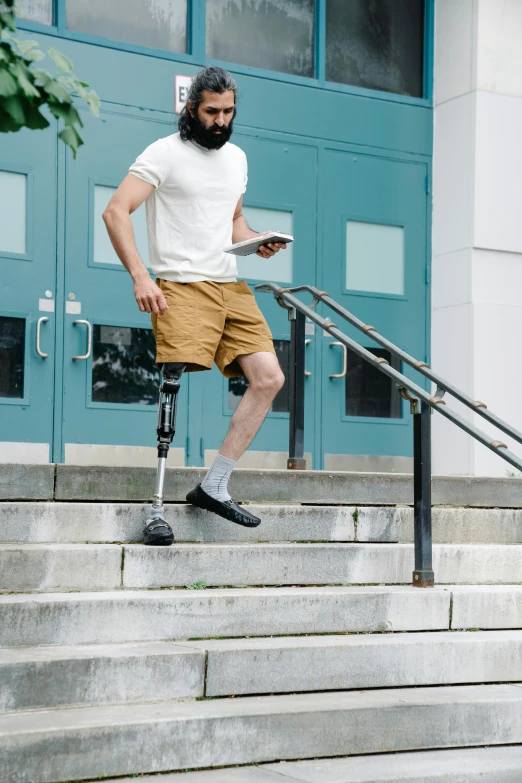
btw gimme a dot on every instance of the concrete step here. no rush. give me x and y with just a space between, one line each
91 742
45 567
59 522
152 615
85 482
314 564
62 567
48 677
109 522
321 663
500 764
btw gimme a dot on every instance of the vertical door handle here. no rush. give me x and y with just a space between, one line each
308 374
39 323
342 374
89 339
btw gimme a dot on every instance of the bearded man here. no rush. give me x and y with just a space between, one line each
193 183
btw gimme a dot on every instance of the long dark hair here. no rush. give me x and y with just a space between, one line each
213 79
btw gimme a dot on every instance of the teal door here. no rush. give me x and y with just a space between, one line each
27 293
281 194
110 388
373 212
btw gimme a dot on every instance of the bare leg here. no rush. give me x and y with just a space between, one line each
265 379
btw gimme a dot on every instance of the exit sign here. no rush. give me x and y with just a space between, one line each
181 87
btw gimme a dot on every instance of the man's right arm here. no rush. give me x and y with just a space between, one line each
129 196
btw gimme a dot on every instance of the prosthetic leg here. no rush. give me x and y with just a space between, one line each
157 531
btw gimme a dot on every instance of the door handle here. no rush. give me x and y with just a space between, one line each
308 374
342 374
89 339
39 323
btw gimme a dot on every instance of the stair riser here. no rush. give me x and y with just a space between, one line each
283 665
302 564
280 486
102 680
46 568
358 666
135 742
109 522
58 567
111 619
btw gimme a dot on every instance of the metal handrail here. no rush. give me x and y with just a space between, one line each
442 385
421 405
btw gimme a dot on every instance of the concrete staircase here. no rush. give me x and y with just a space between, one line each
254 650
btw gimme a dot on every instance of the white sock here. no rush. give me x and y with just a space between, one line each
215 482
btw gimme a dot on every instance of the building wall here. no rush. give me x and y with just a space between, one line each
477 230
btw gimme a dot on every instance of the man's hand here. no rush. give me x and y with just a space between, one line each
149 296
267 251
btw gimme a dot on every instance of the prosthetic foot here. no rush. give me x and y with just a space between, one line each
157 531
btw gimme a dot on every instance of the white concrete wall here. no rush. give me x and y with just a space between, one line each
477 222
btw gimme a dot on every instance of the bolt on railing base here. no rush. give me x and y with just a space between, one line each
296 464
424 578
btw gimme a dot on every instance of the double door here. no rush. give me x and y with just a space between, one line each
78 381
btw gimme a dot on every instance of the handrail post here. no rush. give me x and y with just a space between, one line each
423 575
296 460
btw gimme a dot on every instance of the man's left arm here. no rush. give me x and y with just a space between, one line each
241 231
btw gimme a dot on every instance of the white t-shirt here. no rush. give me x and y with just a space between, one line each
190 212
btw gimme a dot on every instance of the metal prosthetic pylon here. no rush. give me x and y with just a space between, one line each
157 530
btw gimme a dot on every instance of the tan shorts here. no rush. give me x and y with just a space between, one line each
209 322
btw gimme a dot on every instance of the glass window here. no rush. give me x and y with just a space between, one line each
369 392
376 44
161 24
35 10
104 252
123 365
280 266
374 258
281 404
12 351
13 200
274 34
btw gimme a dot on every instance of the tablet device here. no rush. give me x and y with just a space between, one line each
252 245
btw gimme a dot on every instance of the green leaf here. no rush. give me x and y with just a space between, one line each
66 112
93 99
24 76
58 91
7 20
42 75
26 46
8 85
67 81
72 138
14 107
62 62
35 55
7 124
33 119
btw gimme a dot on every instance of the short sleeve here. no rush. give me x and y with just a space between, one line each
246 173
151 166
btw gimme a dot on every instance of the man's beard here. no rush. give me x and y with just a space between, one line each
207 137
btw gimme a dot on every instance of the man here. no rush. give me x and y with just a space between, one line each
193 183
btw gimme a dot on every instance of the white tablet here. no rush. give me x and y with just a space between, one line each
252 245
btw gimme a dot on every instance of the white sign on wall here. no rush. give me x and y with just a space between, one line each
182 84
